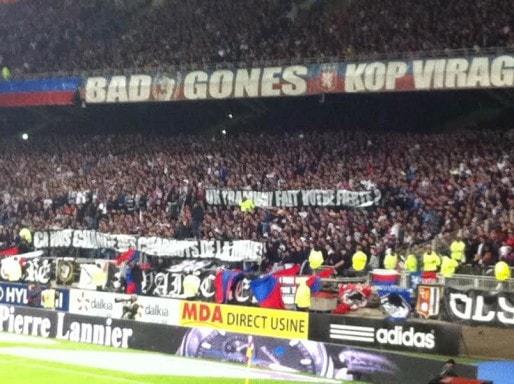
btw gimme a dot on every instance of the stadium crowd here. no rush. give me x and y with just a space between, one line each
70 35
431 185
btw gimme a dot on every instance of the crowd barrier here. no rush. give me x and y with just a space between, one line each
486 283
318 358
457 281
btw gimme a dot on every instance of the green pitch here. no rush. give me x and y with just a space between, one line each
37 368
21 371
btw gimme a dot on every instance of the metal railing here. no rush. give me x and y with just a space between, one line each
458 281
484 283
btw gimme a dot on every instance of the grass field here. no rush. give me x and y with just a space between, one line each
30 361
19 371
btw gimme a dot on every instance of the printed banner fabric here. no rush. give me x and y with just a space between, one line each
477 307
472 72
255 321
22 93
414 336
230 251
297 198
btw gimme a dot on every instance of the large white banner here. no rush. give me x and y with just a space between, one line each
228 251
444 73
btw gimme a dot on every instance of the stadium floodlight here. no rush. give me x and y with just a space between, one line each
25 136
223 131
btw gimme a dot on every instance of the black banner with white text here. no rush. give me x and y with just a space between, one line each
296 198
477 307
414 336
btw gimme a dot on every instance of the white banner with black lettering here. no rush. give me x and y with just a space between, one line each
228 251
296 198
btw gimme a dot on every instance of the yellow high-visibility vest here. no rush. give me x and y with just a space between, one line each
247 205
315 259
359 260
502 271
390 261
431 261
191 285
26 235
411 264
303 295
457 249
448 266
100 277
48 298
6 73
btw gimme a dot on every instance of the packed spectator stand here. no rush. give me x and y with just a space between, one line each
156 186
432 185
435 188
70 35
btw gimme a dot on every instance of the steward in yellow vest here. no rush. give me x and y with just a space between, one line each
411 263
48 298
303 296
315 259
457 248
390 260
26 235
448 266
502 271
431 260
247 205
359 259
6 73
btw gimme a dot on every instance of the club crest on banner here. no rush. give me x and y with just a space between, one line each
164 88
328 77
428 304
